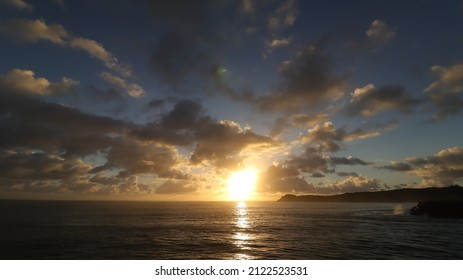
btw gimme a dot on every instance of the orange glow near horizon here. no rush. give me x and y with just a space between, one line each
241 184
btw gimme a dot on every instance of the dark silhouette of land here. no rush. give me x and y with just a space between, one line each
439 209
450 193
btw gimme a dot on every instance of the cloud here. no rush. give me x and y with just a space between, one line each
30 123
311 161
441 169
192 47
347 174
221 143
325 137
297 120
140 158
398 166
19 4
25 82
284 16
273 44
378 35
286 179
380 32
360 133
446 93
184 115
96 50
176 187
34 30
354 184
133 90
350 160
38 30
278 178
306 81
30 165
369 100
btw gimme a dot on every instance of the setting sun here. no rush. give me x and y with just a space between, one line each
241 184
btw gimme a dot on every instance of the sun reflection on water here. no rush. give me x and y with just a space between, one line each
241 238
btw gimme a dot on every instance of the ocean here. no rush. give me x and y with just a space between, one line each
50 230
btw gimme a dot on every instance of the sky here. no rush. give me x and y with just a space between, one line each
167 99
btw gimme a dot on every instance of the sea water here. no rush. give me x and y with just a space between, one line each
223 230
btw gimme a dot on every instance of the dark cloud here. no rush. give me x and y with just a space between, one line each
286 179
347 174
30 165
442 169
184 115
193 41
325 137
279 178
369 101
446 94
398 166
317 175
346 161
354 184
306 81
310 161
30 123
378 34
297 120
140 158
176 187
196 35
219 143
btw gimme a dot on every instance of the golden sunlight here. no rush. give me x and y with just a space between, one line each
241 184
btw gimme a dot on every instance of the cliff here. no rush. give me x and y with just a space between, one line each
400 195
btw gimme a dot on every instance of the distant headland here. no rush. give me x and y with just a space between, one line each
453 192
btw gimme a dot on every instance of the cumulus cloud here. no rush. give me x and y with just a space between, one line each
140 158
446 92
287 179
378 34
30 165
24 81
34 30
278 178
176 187
284 16
184 115
297 120
97 50
38 30
369 100
19 4
441 169
220 143
188 53
272 45
306 81
354 184
325 137
347 174
47 142
133 90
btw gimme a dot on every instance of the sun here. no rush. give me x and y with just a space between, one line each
241 184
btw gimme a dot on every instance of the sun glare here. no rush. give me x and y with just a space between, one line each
241 184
